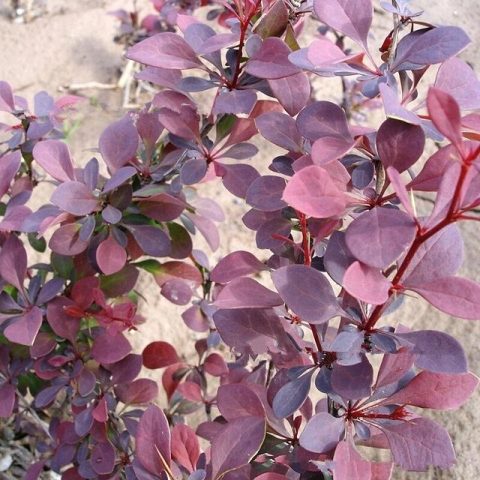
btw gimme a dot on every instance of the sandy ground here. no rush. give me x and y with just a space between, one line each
73 44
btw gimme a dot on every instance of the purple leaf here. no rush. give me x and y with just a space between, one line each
280 129
110 256
292 92
49 291
237 178
436 390
271 61
246 293
54 157
337 257
103 458
306 292
118 143
322 433
437 351
322 119
353 19
185 447
313 192
7 394
428 47
75 198
445 115
353 382
292 395
265 193
110 348
62 324
234 102
380 236
24 329
13 262
66 240
153 448
9 165
236 445
249 330
165 50
399 144
393 108
236 264
140 391
240 151
7 103
366 283
394 367
237 400
457 78
193 171
119 178
419 443
349 465
328 149
152 240
111 215
440 256
459 297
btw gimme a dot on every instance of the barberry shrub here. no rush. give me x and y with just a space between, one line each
299 358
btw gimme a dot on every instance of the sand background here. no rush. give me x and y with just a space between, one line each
73 43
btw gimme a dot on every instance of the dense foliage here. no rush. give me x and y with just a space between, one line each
300 360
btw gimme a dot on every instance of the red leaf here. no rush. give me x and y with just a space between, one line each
159 354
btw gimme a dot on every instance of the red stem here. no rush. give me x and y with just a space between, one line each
421 237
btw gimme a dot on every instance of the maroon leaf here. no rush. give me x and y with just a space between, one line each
159 354
153 448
